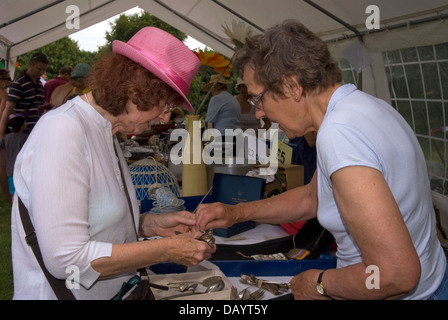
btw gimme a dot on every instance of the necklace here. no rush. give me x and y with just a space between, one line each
87 98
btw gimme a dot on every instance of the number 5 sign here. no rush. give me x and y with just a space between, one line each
284 153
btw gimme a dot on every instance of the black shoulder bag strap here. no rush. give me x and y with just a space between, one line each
58 285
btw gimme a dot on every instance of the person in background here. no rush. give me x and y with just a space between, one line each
371 188
5 81
72 176
74 87
62 78
26 94
248 118
12 143
43 79
223 110
176 114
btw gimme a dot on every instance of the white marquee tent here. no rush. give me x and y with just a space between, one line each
401 24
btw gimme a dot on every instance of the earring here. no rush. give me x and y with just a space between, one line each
296 98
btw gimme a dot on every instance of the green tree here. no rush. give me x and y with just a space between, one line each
124 27
62 52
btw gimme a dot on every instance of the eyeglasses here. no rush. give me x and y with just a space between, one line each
170 107
255 100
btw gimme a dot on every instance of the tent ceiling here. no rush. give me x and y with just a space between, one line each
24 28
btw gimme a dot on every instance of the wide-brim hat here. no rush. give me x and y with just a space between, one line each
213 79
165 56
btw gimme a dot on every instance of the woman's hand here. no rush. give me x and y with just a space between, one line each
216 215
167 224
303 285
187 250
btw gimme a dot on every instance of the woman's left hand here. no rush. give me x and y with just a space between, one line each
166 224
303 285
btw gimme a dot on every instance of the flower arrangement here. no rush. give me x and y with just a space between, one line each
238 33
211 60
214 61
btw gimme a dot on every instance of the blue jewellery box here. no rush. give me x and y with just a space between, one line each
233 189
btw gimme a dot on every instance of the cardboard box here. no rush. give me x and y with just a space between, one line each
288 176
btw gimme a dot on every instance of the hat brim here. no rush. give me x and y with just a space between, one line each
207 86
131 53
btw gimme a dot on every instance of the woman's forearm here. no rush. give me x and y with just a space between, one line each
182 249
131 256
297 204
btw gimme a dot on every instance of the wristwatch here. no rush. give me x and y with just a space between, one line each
320 286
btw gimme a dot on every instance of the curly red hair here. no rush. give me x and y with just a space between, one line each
116 79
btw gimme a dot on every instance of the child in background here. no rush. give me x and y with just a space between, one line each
12 143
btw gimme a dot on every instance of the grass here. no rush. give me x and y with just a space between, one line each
6 279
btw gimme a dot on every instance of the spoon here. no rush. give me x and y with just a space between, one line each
188 287
217 286
207 282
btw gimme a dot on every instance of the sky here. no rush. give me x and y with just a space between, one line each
90 38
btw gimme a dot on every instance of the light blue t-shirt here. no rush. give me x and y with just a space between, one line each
224 112
361 130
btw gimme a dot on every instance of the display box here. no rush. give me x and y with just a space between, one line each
287 176
233 189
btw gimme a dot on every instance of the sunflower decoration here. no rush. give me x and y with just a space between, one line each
214 61
211 62
218 63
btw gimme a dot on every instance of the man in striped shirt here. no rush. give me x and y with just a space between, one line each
26 94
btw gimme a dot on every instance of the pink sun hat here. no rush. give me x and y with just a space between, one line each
165 56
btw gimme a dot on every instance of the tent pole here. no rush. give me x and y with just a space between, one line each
31 13
332 16
238 15
193 23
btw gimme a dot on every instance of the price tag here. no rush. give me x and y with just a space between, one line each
284 153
